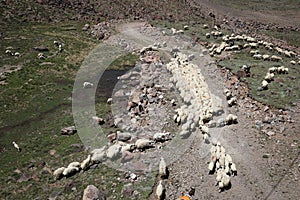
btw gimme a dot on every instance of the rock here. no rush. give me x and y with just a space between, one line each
52 152
270 133
127 190
24 178
41 48
93 193
123 136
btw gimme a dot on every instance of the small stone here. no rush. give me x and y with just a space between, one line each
266 108
52 152
270 133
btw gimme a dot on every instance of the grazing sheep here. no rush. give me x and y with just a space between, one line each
162 168
205 138
282 70
225 181
85 163
257 56
16 146
8 52
160 191
87 85
293 62
253 52
205 26
17 54
273 69
269 77
276 58
98 120
58 173
265 57
211 166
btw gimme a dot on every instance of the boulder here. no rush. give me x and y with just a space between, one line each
93 193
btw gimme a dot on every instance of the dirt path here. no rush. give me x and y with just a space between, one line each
241 141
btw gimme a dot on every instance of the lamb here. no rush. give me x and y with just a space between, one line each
16 146
85 163
160 191
162 168
58 173
87 85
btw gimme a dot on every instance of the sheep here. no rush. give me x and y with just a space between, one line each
231 119
273 69
211 166
269 77
160 191
225 181
205 138
8 52
17 54
232 101
264 85
293 62
228 94
70 171
276 58
16 146
74 164
162 168
228 158
41 56
207 35
257 56
98 120
253 52
87 84
109 101
282 70
186 27
58 173
85 163
143 143
204 129
233 169
265 57
205 26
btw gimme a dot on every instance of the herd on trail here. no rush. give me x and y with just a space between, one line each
196 112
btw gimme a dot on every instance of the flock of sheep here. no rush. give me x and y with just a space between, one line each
229 44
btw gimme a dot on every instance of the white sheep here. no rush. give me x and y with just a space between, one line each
160 190
58 173
233 169
74 164
162 168
41 56
232 101
293 62
109 101
16 146
87 84
269 77
85 163
231 119
276 58
283 70
266 57
70 170
257 56
225 181
264 85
